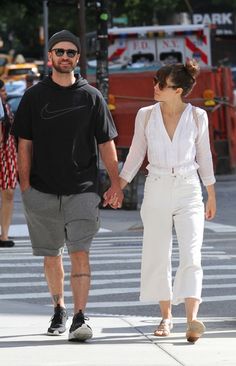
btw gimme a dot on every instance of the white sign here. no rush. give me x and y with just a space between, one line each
214 18
171 43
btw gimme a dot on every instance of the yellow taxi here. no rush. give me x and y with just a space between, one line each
19 71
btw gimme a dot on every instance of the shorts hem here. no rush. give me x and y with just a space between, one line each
47 253
78 247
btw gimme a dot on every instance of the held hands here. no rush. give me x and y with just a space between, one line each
113 197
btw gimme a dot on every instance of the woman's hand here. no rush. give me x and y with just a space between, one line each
211 203
210 208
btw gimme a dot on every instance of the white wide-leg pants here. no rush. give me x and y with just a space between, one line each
172 200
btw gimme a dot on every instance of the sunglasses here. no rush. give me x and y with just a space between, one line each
163 85
59 52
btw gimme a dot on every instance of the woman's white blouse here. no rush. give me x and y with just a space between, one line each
188 150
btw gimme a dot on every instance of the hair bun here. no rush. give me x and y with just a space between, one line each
192 68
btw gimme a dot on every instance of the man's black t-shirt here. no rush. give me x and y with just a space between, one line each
65 125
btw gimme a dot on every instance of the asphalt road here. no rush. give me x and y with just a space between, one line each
115 262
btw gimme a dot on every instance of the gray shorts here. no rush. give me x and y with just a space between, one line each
55 221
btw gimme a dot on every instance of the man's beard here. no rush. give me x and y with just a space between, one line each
62 70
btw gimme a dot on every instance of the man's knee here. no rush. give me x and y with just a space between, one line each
52 260
80 255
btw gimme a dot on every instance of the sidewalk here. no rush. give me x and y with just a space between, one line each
117 341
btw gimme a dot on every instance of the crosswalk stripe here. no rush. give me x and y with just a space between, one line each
100 261
94 273
132 304
22 229
104 282
28 251
105 255
19 275
94 292
220 228
114 261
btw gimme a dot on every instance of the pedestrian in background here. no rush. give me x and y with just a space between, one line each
176 138
61 123
8 170
1 110
30 80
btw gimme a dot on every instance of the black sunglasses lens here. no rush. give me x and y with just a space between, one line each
156 81
59 52
71 53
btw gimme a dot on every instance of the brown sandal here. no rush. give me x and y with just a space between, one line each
164 328
195 330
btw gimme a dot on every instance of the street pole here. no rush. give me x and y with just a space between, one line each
102 48
82 36
45 31
190 9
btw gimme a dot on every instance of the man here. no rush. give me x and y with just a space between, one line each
59 124
30 80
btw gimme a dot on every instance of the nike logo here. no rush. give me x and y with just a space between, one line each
50 114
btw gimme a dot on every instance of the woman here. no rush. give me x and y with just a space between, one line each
8 170
175 136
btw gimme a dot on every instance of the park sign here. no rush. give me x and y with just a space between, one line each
222 23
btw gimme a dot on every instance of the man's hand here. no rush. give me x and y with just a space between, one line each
114 195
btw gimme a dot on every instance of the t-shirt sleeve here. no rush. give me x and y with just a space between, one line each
105 129
22 126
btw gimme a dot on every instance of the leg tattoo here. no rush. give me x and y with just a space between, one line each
78 275
56 298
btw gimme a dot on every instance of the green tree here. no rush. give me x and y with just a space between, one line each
142 12
20 22
20 19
